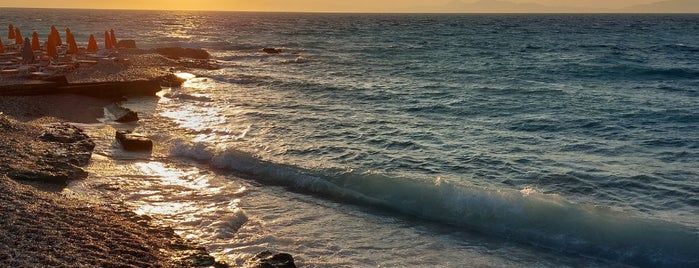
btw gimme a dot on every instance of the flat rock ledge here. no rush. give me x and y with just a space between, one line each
112 89
269 259
52 153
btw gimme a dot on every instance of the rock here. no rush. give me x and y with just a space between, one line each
126 44
134 142
79 144
47 153
180 52
271 50
111 89
60 80
59 85
121 114
171 80
268 259
130 116
64 133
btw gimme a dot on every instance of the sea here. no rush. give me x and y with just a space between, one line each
412 140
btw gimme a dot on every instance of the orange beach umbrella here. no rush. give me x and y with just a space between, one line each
56 36
112 37
107 40
35 41
11 33
51 47
72 45
92 44
18 37
2 47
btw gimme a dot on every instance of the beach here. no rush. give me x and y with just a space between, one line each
43 225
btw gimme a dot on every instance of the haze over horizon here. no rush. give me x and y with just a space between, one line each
465 6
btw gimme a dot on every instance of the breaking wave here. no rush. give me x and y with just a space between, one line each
527 216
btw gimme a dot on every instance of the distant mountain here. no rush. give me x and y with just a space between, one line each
504 6
669 6
499 6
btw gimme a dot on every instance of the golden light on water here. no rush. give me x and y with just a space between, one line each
168 186
186 76
197 118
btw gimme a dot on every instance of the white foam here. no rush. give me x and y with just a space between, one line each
525 215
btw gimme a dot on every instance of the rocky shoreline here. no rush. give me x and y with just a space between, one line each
40 150
43 228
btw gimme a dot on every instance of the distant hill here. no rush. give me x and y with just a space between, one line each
504 6
669 6
494 6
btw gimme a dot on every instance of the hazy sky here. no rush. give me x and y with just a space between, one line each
296 5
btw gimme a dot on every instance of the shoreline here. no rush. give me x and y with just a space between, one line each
44 227
41 226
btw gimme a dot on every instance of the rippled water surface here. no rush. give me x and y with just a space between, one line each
428 140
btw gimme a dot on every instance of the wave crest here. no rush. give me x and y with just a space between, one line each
526 215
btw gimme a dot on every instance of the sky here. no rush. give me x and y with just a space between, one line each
304 5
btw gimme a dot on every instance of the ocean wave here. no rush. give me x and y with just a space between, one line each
527 216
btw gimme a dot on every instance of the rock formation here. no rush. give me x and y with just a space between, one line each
268 259
134 142
51 153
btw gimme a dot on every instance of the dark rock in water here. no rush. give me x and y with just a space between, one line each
134 142
271 50
180 52
203 259
267 259
171 80
126 44
130 116
121 114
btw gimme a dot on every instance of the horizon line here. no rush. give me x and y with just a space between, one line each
361 12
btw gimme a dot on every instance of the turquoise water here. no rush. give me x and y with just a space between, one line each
392 140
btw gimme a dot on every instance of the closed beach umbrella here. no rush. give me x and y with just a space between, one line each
72 45
11 33
92 44
27 52
112 37
107 40
35 41
2 47
18 37
56 36
51 47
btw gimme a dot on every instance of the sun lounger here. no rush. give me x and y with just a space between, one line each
39 75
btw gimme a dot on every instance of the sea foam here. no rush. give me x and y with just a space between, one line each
526 215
